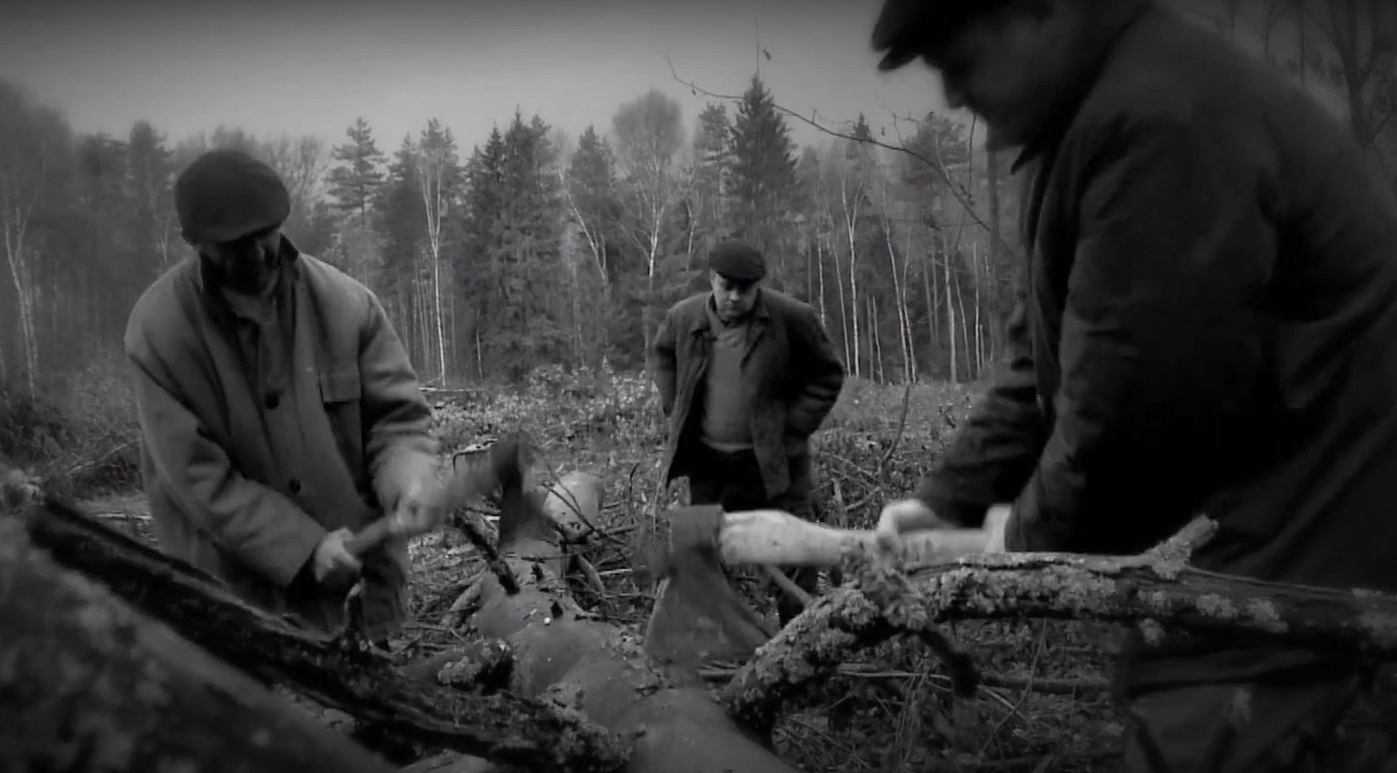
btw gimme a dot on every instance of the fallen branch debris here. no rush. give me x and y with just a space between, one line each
1156 589
500 727
89 683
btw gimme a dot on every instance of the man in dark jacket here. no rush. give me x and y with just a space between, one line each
746 375
1208 324
278 410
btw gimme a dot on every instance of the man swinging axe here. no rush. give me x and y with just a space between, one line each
279 412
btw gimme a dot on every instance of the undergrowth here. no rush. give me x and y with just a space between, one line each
891 709
1044 705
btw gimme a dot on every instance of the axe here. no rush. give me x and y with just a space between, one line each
503 459
464 485
698 616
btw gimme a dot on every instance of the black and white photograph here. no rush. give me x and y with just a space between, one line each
642 386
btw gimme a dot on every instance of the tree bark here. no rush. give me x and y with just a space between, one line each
87 683
1156 590
364 685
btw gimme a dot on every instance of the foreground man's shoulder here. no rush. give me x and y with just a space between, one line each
326 278
341 295
788 305
1169 75
689 307
162 311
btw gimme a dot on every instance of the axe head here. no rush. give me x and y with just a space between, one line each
521 512
697 614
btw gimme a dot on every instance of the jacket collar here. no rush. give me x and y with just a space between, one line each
1101 37
286 280
702 323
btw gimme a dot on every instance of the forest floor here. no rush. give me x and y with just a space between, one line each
1046 705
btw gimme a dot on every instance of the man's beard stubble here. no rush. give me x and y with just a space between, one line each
247 276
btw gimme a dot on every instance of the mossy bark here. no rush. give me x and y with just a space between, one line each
499 726
1157 590
87 683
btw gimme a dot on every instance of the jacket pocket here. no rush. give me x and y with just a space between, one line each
340 393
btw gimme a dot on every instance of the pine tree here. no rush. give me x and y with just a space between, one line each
764 174
358 178
713 162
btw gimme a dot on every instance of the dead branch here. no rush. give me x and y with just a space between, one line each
499 727
1156 589
89 683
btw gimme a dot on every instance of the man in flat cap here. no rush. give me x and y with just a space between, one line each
746 375
278 410
1207 324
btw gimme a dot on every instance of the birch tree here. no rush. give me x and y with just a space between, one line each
649 132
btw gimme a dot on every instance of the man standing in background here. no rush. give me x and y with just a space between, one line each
1209 325
278 410
746 375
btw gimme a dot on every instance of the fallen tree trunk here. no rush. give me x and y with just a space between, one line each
1156 589
594 667
89 684
364 685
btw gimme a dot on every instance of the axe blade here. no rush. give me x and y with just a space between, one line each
697 615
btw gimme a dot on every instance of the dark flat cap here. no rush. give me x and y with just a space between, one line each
737 261
908 28
228 194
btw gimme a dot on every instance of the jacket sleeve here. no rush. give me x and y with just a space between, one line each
662 362
397 420
1161 329
821 374
253 523
993 454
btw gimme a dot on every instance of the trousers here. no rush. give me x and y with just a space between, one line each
733 480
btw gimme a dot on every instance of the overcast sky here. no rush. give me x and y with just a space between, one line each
312 66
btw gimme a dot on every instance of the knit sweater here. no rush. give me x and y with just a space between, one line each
726 412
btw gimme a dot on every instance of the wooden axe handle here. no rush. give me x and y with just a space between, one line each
457 491
370 536
776 537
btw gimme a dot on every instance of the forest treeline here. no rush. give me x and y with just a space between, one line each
535 247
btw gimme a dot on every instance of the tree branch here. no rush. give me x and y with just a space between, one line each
1156 589
499 727
92 684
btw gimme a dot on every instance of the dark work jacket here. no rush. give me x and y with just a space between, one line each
1209 326
790 372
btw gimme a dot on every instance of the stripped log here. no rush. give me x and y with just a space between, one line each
89 684
594 667
772 537
365 685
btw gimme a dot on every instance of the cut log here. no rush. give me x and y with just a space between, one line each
499 726
1157 590
772 537
573 504
89 684
596 668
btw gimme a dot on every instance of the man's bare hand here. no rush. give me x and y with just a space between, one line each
333 564
902 516
422 506
909 515
996 519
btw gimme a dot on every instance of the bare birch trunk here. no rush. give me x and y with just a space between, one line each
964 331
950 317
851 218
